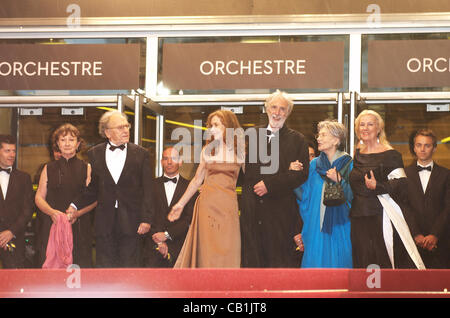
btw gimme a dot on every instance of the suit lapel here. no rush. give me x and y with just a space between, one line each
414 176
102 161
179 190
127 165
11 185
162 192
433 177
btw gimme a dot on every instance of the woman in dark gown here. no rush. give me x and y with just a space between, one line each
378 175
61 181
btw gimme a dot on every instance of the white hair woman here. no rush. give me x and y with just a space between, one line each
326 229
379 232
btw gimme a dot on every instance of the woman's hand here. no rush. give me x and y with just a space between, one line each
332 174
372 182
175 213
296 165
55 216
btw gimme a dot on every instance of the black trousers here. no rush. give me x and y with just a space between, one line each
117 249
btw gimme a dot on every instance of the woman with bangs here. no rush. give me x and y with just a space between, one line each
61 181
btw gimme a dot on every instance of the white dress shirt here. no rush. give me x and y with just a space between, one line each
272 133
170 188
4 181
115 161
424 175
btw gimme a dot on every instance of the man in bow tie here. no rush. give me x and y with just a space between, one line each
167 238
16 205
429 197
270 220
121 183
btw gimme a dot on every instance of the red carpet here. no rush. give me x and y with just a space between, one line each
223 283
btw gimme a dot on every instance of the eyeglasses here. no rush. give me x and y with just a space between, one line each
121 127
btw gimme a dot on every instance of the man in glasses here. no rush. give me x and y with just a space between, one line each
121 183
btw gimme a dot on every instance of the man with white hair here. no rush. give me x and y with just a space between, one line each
270 221
121 183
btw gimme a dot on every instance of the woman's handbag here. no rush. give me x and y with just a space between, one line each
333 194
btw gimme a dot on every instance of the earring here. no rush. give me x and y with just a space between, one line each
378 140
361 142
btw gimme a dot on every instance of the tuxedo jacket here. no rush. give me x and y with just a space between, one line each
132 191
269 223
17 208
429 210
177 229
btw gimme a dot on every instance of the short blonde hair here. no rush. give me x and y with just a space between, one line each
336 129
104 120
279 94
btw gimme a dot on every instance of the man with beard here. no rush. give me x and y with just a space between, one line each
270 221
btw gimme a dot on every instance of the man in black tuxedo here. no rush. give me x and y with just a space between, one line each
270 219
121 183
429 199
167 238
16 206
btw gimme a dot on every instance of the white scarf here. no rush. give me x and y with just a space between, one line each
393 213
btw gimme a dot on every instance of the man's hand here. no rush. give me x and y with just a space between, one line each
159 237
299 241
163 249
430 242
143 228
5 237
260 188
419 240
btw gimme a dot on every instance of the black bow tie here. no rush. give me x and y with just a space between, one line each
7 170
166 179
420 168
112 148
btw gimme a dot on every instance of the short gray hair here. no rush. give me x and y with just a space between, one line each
104 120
336 129
279 94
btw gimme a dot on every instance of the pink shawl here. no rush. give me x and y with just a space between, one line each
60 244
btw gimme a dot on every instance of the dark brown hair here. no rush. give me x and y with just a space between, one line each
63 130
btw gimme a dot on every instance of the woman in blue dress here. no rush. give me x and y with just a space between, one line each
326 229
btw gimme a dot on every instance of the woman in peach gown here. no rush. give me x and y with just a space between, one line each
214 239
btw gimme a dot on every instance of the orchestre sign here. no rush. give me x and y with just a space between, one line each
69 67
287 65
408 63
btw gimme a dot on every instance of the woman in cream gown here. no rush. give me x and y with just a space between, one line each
214 239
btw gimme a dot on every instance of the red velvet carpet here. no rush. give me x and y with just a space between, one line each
223 283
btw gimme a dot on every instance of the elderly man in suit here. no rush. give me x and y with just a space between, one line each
164 245
429 198
121 183
270 220
16 205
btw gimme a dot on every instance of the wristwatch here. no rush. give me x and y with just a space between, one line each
167 235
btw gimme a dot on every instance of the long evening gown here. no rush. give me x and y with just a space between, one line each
214 238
